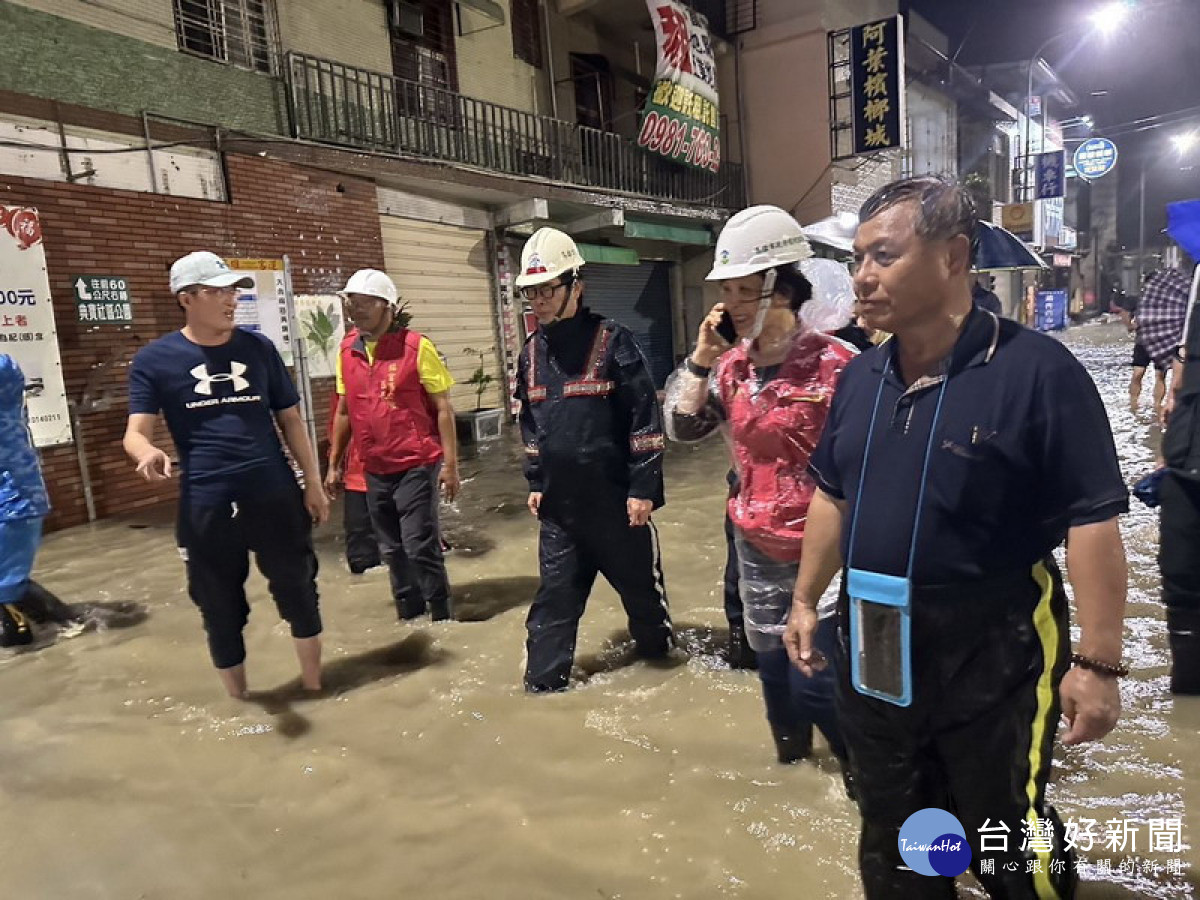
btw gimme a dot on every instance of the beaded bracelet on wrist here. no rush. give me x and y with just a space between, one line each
1117 670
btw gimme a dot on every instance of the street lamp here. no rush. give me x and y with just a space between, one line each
1184 142
1105 20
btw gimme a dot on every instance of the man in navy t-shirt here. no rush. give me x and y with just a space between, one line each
222 391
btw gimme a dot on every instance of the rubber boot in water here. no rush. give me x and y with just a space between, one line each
741 655
15 629
1183 635
793 745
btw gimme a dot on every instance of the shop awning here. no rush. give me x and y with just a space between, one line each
615 256
676 234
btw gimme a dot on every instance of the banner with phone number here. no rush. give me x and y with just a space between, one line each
681 120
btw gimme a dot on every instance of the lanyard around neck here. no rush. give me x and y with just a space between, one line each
862 478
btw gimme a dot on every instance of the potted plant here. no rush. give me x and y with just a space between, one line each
481 423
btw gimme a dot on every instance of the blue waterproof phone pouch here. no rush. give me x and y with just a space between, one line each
880 635
881 605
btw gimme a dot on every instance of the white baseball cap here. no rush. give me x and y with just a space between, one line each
207 269
373 283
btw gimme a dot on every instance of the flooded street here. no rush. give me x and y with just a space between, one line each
428 773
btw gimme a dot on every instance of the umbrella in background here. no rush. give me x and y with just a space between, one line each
998 248
834 231
1160 313
1183 225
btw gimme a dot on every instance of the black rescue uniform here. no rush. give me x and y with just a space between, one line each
593 437
1023 452
1179 523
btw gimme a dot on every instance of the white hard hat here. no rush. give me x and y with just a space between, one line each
756 239
371 282
547 254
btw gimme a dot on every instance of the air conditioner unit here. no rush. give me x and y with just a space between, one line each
407 18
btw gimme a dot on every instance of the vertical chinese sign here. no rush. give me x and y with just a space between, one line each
876 73
264 307
681 120
1050 174
27 330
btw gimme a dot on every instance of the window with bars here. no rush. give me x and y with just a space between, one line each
239 32
423 43
527 32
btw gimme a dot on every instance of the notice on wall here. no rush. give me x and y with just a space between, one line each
321 326
27 330
681 120
263 308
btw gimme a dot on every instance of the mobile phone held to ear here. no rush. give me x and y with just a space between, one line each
725 328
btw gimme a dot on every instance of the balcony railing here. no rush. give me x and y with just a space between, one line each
338 104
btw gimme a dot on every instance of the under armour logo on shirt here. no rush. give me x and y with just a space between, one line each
204 381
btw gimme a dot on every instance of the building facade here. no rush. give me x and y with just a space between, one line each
424 137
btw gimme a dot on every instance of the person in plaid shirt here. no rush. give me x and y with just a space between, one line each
1158 324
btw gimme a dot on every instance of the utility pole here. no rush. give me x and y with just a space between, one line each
1141 223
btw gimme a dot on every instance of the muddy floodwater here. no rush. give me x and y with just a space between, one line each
428 773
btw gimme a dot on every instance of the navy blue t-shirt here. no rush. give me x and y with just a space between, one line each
219 403
1023 452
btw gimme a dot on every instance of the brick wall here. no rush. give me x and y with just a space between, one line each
328 224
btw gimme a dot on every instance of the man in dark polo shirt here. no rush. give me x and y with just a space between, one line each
956 458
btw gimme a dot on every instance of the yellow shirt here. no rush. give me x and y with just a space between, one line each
435 377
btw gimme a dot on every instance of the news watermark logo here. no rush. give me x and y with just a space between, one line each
933 842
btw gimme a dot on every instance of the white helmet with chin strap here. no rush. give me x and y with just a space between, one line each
549 254
758 239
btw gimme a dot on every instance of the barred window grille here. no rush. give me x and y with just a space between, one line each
527 32
242 33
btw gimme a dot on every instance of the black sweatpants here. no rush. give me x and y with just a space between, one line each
362 550
570 554
216 542
977 740
1179 562
404 512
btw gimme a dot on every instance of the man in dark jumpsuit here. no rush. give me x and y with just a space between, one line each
592 429
1179 525
955 459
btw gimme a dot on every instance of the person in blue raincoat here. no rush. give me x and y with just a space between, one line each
23 504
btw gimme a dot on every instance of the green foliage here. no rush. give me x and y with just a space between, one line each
320 327
479 378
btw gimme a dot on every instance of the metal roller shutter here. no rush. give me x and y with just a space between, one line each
639 297
443 274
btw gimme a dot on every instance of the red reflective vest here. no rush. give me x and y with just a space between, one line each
353 477
391 416
775 430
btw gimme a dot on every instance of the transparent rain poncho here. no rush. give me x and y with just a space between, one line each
771 419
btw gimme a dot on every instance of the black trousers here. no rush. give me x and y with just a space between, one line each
733 595
216 542
1179 562
570 555
404 513
362 550
987 661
